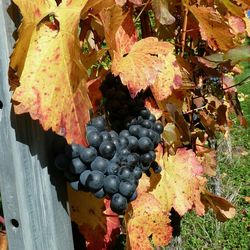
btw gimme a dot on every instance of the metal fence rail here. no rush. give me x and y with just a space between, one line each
34 195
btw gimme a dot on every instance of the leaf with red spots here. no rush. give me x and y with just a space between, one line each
181 183
99 225
53 80
140 68
146 219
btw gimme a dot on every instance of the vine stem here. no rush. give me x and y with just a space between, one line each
184 29
144 7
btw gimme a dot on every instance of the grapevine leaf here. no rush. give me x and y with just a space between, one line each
171 135
98 224
162 14
146 219
33 12
112 19
122 2
181 183
141 66
233 8
168 79
223 209
53 86
213 28
151 105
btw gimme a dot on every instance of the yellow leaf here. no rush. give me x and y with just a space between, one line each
53 82
33 12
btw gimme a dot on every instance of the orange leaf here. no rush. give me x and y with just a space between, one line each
146 219
99 225
224 209
181 183
162 14
213 28
141 66
52 84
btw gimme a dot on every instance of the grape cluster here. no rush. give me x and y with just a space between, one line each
119 104
114 162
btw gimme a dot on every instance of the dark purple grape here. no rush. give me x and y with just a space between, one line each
94 139
99 123
133 159
152 118
111 184
113 168
145 144
153 155
143 132
77 166
132 143
156 168
124 173
62 162
90 128
118 203
137 172
83 177
146 159
105 136
100 164
100 193
133 196
124 133
95 180
158 127
123 141
134 130
126 188
145 113
147 124
113 134
107 149
87 155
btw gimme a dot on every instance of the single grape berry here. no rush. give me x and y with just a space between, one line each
100 164
83 177
100 193
124 133
99 123
118 203
126 188
94 139
146 159
145 144
105 136
143 132
145 113
133 159
113 134
124 173
123 141
158 127
134 130
76 185
137 171
77 166
156 168
90 128
152 118
147 124
133 196
95 180
107 149
87 155
113 168
111 184
62 162
132 143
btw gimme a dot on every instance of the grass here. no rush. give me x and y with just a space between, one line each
234 168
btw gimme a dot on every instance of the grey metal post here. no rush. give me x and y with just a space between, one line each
33 192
